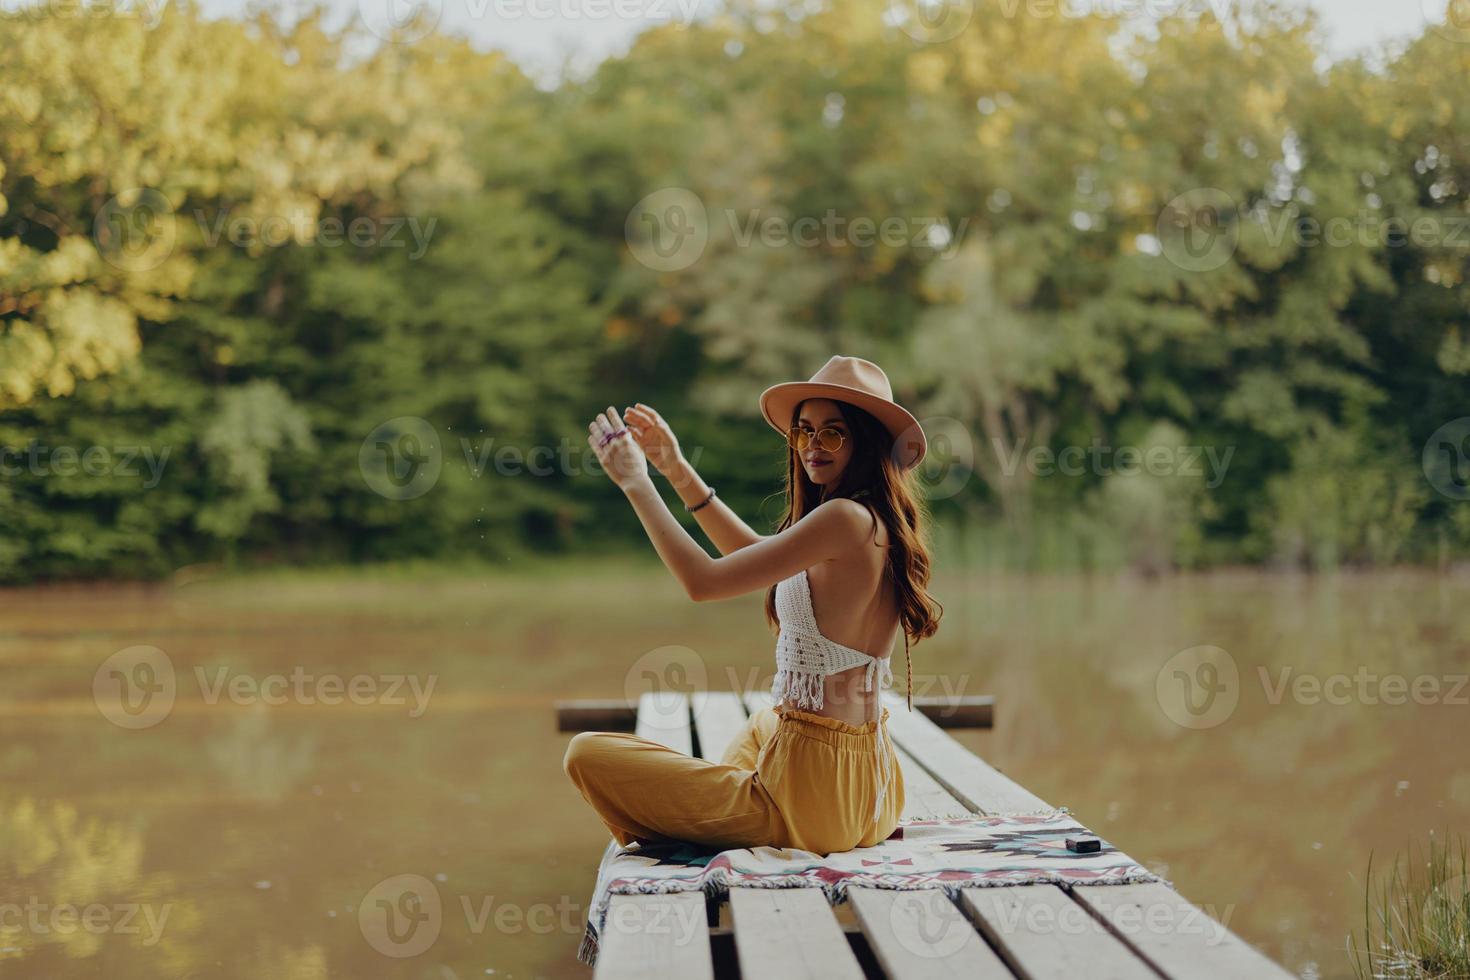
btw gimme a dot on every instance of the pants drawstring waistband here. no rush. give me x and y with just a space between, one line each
885 744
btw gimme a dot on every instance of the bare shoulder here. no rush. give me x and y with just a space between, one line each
848 518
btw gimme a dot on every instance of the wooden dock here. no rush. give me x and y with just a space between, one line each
1036 932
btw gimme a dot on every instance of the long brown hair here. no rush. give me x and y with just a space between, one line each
874 479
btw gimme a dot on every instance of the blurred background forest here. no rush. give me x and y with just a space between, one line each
1054 177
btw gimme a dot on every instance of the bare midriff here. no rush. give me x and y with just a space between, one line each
844 699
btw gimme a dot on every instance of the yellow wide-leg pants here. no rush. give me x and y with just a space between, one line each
791 778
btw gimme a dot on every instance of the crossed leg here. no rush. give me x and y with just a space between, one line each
645 791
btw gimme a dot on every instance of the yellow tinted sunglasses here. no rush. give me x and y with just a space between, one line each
828 439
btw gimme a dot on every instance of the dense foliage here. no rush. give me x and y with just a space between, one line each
230 252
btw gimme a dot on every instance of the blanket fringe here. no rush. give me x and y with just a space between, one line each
587 951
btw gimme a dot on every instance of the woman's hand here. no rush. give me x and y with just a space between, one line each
655 438
621 457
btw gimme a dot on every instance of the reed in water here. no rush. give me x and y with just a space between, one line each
1416 917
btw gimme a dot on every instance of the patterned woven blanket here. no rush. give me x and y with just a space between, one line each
966 852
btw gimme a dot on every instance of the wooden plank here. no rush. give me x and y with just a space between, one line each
718 717
788 934
617 715
923 797
1177 937
663 717
922 935
969 778
649 936
962 711
596 715
1044 935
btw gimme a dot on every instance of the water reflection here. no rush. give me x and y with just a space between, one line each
255 829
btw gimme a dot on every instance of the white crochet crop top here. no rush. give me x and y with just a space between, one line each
804 657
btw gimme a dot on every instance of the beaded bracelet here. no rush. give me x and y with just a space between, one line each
702 503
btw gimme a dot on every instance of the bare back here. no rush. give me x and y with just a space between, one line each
855 607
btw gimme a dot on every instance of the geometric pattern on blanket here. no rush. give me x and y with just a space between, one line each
952 853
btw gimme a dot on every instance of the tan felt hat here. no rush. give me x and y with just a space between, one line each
857 382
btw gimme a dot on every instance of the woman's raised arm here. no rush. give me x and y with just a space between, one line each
831 530
720 524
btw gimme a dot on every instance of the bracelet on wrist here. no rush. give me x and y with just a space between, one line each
702 503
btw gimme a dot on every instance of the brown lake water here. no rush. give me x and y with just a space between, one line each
233 810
